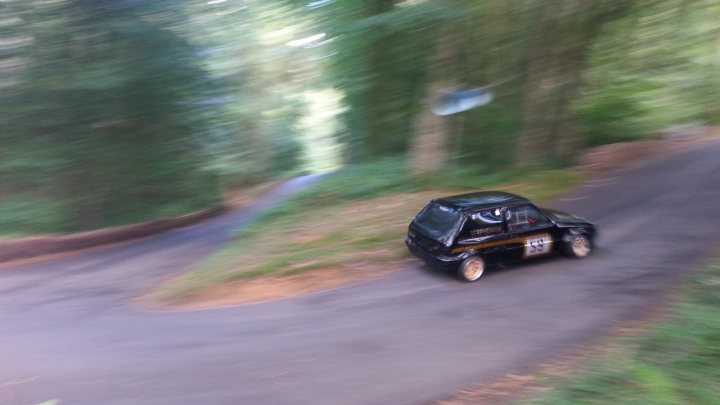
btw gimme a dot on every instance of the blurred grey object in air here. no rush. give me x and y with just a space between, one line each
449 103
318 4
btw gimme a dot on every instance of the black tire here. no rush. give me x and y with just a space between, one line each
471 269
577 245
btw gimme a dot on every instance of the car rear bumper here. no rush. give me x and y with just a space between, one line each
444 263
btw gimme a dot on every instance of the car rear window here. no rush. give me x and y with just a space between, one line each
437 220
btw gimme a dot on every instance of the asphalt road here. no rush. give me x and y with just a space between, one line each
67 332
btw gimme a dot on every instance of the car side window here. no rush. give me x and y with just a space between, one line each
482 223
525 217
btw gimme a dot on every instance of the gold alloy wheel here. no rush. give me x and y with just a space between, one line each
581 246
473 268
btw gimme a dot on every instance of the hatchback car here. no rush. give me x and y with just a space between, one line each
466 233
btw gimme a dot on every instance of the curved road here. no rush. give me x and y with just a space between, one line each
67 333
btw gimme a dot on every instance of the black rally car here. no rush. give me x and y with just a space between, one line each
464 233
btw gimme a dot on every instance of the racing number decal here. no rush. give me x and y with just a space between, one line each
538 246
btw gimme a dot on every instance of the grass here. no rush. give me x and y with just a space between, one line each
389 177
354 219
675 362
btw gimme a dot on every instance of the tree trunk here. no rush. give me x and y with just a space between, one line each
531 143
375 116
429 148
554 73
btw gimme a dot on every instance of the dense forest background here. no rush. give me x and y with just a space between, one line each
117 111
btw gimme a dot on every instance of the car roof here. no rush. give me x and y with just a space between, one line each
480 200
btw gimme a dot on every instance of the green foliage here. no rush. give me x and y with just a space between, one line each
673 363
255 117
103 119
379 66
611 116
654 68
354 183
116 111
489 136
572 72
360 182
21 217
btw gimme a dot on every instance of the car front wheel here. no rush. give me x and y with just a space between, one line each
472 268
577 245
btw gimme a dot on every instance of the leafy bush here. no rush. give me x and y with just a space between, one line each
22 217
610 117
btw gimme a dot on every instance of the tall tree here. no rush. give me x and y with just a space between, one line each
564 33
109 102
430 144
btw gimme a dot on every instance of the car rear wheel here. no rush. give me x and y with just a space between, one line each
577 245
472 268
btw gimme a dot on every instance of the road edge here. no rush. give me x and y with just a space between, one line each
33 247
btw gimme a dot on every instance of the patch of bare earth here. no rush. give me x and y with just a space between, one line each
262 289
332 263
514 388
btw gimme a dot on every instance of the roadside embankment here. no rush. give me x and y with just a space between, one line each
35 246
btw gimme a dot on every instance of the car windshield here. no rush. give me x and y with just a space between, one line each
437 221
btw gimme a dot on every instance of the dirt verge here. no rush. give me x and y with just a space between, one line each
263 289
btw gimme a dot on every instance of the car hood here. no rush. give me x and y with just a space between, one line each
565 219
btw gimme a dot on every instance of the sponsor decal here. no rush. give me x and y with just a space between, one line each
537 250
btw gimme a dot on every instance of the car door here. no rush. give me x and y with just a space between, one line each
485 231
530 230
